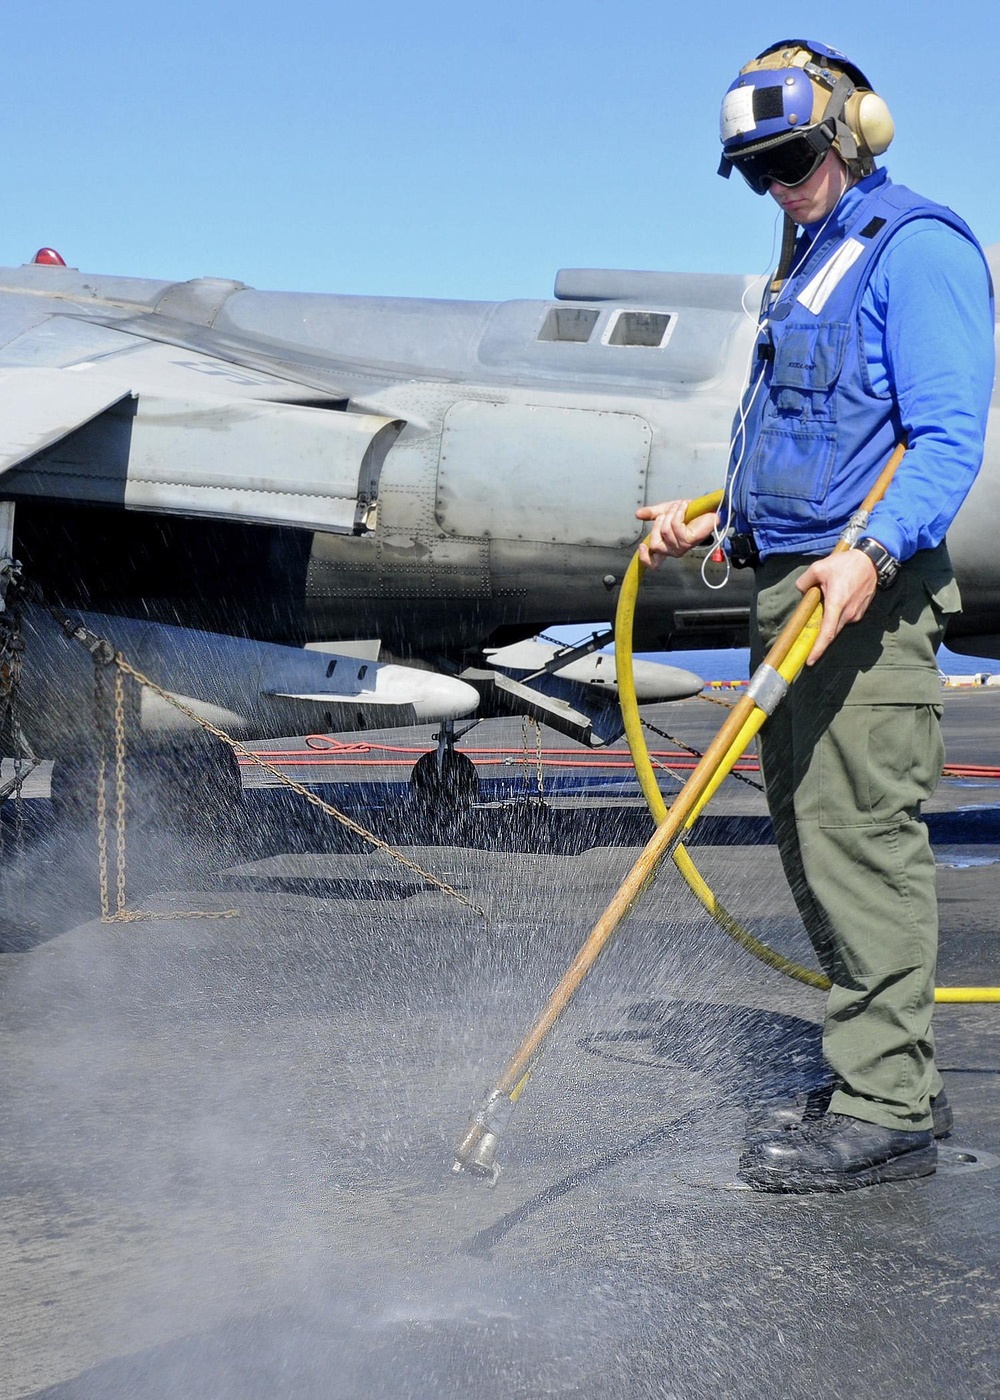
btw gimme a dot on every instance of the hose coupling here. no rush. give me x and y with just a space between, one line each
477 1151
767 688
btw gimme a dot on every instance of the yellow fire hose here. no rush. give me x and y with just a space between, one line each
624 620
476 1152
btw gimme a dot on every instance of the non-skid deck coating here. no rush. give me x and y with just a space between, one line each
226 1144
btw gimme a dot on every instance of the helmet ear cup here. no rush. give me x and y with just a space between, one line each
870 120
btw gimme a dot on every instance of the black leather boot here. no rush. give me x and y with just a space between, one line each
837 1153
780 1117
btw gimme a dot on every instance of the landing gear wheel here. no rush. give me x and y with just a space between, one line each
446 783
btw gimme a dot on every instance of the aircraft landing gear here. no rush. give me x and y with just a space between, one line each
445 782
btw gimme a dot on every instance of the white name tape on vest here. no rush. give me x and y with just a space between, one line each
817 293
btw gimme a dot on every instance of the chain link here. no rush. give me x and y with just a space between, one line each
101 723
122 913
22 767
695 753
120 791
529 721
718 700
11 663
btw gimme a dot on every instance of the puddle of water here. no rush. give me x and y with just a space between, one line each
954 1160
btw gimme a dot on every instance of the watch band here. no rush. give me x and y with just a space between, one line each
886 564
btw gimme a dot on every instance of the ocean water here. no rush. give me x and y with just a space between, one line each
733 663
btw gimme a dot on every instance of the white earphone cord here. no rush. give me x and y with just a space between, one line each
718 534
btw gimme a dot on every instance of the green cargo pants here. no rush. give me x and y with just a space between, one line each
848 757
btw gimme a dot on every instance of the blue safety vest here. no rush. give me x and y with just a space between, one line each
816 434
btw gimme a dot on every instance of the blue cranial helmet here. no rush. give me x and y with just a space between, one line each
806 97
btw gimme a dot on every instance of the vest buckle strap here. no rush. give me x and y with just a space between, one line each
743 551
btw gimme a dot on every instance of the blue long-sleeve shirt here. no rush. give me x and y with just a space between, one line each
928 330
928 333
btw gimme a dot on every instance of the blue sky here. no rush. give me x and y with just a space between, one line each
441 149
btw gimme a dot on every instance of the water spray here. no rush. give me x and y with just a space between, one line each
477 1151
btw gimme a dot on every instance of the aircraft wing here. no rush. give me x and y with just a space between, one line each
119 393
38 408
94 438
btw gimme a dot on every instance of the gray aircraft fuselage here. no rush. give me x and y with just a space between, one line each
489 457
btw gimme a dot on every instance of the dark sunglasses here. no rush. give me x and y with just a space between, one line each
789 161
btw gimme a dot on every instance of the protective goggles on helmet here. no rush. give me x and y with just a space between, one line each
786 160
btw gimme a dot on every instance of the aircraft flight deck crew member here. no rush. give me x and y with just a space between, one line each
881 331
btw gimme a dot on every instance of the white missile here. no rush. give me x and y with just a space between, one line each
654 682
251 689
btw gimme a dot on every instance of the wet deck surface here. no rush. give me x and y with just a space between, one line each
226 1142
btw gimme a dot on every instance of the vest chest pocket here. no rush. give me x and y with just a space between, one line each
807 364
789 472
791 463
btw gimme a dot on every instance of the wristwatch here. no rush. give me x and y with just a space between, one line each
886 564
